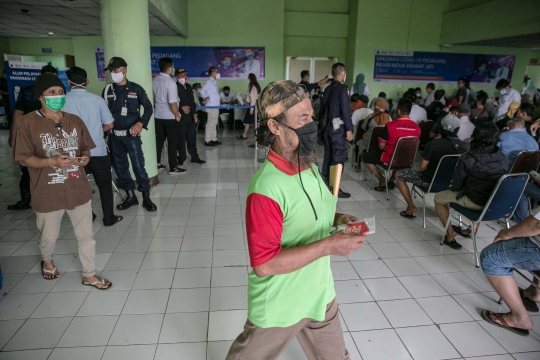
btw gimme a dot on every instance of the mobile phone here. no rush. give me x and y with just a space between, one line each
534 174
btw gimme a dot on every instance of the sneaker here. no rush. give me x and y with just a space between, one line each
211 143
177 171
198 161
161 167
216 142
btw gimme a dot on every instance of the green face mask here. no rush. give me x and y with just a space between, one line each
55 103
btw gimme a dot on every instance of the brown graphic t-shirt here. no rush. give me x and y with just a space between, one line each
54 188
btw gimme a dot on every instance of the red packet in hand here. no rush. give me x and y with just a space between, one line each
363 227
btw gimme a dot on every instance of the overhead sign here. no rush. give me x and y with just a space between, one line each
416 66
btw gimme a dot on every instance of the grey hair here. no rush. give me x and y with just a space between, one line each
512 123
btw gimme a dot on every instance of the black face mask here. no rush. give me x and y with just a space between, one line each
307 135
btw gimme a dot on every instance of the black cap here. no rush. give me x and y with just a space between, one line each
115 63
49 69
45 81
364 99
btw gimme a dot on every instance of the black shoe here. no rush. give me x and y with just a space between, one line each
211 143
131 200
24 204
147 203
94 216
177 171
161 167
198 161
216 142
343 195
453 244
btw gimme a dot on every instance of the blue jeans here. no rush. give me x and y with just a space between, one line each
121 146
500 258
532 191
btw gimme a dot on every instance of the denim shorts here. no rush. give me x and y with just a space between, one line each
500 258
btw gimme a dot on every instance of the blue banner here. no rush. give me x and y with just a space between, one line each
232 62
100 63
437 67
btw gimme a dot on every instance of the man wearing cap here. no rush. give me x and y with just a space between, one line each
447 144
339 129
26 103
125 99
466 126
289 216
210 93
166 114
188 124
55 146
98 119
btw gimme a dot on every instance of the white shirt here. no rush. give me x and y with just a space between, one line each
196 98
466 129
359 115
165 93
431 97
418 114
226 98
210 90
505 101
251 66
501 73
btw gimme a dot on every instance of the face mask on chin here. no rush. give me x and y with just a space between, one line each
117 77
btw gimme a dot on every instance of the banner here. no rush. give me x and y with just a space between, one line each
234 63
437 67
100 63
20 74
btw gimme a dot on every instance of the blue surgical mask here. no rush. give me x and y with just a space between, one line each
501 63
249 56
227 63
503 92
481 70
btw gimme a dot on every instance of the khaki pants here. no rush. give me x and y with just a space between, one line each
210 132
81 219
320 340
448 196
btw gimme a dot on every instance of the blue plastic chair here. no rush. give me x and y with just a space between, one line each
441 179
501 204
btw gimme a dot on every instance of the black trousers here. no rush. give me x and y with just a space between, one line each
169 129
188 135
100 167
24 184
335 148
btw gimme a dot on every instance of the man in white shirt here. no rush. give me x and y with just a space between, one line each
226 97
501 72
508 96
250 66
430 89
361 111
466 127
210 94
166 114
417 113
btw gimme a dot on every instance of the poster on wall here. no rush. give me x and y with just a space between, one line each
20 74
232 62
100 63
438 67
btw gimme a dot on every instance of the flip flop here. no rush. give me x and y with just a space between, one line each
530 305
407 215
459 230
53 272
117 219
102 282
503 324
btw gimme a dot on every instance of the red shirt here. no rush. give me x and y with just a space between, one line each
394 130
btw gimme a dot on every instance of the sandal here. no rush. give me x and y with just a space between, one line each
453 244
53 272
408 215
241 137
102 282
391 185
117 219
530 305
487 315
380 188
459 230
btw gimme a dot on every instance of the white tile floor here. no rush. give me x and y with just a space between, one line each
180 278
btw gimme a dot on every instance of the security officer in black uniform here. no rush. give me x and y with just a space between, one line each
188 123
124 99
26 103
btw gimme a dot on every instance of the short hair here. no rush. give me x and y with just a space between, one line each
355 98
225 88
226 56
466 81
304 73
337 68
417 89
165 63
411 95
439 94
481 98
431 86
527 108
512 123
501 84
195 84
485 134
404 106
382 94
49 69
77 75
212 70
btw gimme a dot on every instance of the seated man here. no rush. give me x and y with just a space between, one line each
394 130
467 127
476 175
448 144
359 108
226 97
480 113
516 140
418 113
436 107
531 192
435 131
517 247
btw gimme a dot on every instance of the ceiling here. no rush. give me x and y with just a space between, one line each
522 41
66 18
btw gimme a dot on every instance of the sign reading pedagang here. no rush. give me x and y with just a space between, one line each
438 67
232 62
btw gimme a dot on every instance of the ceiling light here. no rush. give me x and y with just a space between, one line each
50 33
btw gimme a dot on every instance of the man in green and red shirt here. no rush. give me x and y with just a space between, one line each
392 132
289 216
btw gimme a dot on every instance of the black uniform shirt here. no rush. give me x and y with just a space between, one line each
185 94
131 96
337 101
26 102
309 87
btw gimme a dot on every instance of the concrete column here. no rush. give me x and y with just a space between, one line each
124 27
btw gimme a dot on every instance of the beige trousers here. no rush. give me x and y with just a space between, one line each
320 340
210 132
81 219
